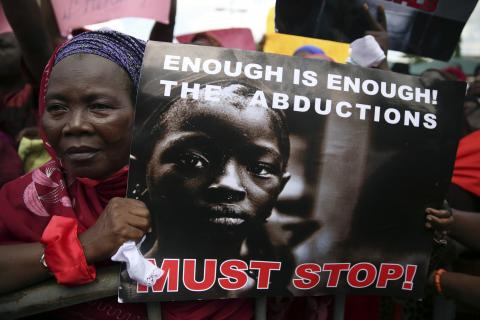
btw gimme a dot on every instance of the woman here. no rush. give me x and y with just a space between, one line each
70 213
462 226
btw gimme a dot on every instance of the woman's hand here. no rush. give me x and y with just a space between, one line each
122 220
439 220
377 27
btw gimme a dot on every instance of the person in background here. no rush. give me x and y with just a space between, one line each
16 95
32 152
164 32
373 48
399 67
12 116
464 227
476 72
11 165
311 52
463 194
474 88
36 47
464 191
457 72
23 55
50 23
471 108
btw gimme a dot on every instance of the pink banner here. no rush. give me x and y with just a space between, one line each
235 38
72 14
4 26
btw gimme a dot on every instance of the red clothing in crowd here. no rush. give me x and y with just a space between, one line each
466 172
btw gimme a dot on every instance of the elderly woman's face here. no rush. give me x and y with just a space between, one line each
88 118
218 166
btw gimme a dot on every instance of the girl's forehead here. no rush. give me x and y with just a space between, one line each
234 113
223 121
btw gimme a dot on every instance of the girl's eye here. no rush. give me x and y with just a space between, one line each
262 169
190 160
56 109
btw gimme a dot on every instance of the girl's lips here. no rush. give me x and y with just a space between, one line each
226 215
227 221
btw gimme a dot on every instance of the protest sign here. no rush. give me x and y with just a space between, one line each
428 28
72 14
287 44
274 175
4 25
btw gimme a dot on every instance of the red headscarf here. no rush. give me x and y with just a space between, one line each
30 201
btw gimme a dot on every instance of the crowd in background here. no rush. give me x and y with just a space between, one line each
454 286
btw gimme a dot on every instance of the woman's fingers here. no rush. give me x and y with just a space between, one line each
374 24
135 234
438 213
141 223
438 219
382 17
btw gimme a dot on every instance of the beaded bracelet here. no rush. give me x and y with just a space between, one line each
437 280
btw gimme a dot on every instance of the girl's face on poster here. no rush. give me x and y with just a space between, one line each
218 165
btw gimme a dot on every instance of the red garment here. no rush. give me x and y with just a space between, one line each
11 165
17 99
305 308
17 111
63 252
362 308
466 172
456 72
28 203
241 309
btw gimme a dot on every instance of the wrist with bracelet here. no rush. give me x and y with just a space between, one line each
63 253
437 278
43 262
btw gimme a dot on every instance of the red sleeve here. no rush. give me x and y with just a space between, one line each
17 223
